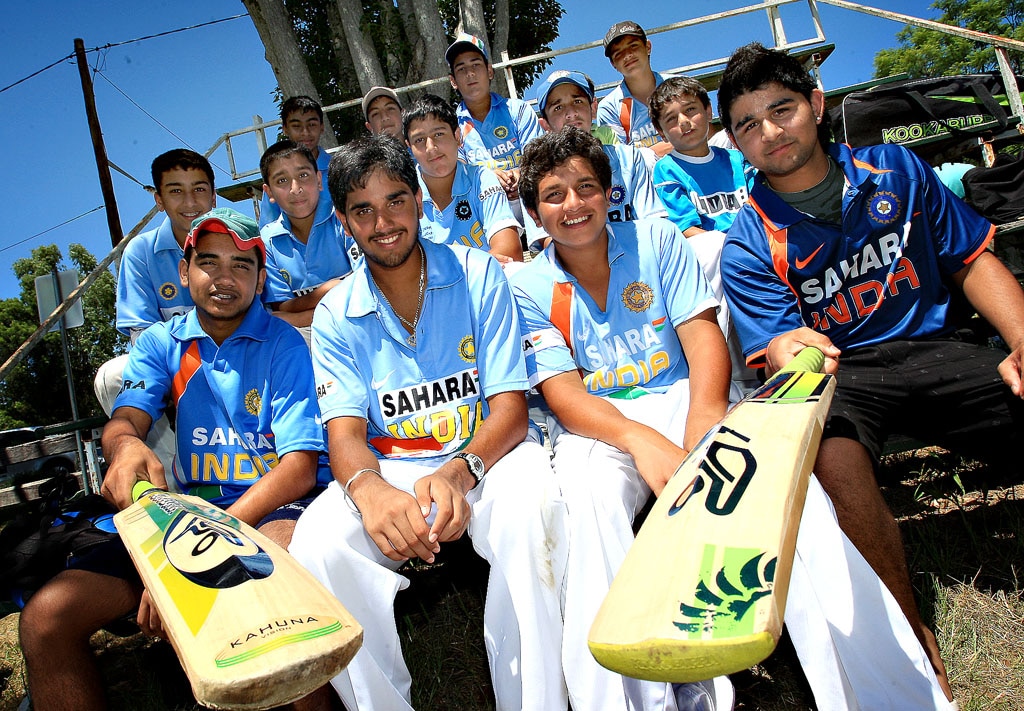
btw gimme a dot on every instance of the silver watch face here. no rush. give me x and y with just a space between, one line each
475 463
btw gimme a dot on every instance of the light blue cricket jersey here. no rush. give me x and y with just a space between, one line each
632 195
237 409
629 118
478 210
427 400
498 142
148 286
293 268
703 192
270 211
631 348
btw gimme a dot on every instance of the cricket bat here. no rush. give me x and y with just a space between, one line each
252 628
702 590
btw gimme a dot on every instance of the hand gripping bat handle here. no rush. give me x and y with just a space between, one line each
142 486
809 359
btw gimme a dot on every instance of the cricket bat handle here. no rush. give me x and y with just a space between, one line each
810 359
141 488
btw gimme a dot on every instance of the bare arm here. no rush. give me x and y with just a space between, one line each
130 459
997 297
662 148
505 245
590 416
710 368
502 430
308 302
292 478
392 518
299 311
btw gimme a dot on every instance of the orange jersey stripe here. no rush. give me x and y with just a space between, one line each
189 366
778 245
984 245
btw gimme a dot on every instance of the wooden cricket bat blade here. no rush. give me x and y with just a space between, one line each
252 628
703 588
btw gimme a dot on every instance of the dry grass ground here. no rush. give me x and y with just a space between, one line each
963 524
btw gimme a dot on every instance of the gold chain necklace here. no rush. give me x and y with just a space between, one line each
411 325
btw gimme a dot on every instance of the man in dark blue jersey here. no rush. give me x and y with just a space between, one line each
855 251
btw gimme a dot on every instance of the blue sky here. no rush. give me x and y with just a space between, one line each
190 87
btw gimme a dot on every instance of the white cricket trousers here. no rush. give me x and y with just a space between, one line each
517 525
604 492
855 646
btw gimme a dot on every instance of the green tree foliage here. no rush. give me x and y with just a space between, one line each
928 53
533 27
35 392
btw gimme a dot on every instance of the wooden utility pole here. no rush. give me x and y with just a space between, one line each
106 186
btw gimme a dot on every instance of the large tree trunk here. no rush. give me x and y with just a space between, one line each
393 38
500 42
472 20
364 56
429 47
275 29
345 70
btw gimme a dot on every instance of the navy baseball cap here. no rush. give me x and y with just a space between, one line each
243 229
463 43
627 28
562 77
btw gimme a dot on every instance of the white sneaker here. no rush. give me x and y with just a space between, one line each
712 695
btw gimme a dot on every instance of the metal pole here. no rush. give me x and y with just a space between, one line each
106 185
71 384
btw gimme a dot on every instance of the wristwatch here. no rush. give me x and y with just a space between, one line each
475 464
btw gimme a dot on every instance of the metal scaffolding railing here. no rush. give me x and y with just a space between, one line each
704 68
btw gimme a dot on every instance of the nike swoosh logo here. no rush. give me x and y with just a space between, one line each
801 263
377 384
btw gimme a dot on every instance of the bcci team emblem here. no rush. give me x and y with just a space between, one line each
467 349
617 195
253 402
168 291
501 132
286 276
637 297
462 210
884 207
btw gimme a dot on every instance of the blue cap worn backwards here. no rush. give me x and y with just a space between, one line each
562 77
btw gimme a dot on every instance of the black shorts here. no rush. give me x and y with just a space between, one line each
292 511
944 392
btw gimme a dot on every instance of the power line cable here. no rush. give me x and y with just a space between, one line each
50 229
37 73
157 121
97 72
118 44
171 32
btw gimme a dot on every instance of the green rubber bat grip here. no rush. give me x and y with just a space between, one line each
809 359
140 489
